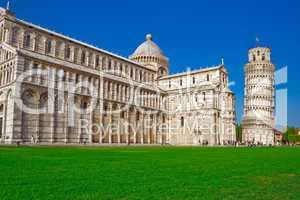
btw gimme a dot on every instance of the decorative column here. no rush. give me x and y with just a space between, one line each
126 126
109 122
101 99
87 58
66 113
158 127
51 92
53 47
62 50
154 123
118 116
7 37
93 62
90 124
142 126
20 40
134 123
79 103
29 71
148 124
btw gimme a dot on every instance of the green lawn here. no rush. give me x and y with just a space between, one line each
149 173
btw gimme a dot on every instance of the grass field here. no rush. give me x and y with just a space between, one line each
149 173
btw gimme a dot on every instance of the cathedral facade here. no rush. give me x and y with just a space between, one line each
58 90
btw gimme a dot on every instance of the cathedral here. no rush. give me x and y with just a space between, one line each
58 90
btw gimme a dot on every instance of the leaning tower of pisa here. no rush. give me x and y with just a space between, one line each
258 119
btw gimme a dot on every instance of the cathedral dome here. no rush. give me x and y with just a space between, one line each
148 48
150 55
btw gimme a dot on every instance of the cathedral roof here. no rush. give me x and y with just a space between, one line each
192 72
148 48
78 42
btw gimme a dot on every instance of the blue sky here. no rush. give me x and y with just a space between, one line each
191 33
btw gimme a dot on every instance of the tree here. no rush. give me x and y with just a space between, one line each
291 136
238 129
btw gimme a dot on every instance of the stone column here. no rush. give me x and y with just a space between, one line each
158 127
133 125
126 126
154 123
39 75
109 122
87 58
118 116
90 133
66 113
4 78
100 120
29 78
51 92
100 65
101 99
79 103
79 90
7 37
148 123
124 94
77 58
53 47
111 92
93 63
37 118
142 127
32 41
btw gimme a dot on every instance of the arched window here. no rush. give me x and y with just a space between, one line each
109 64
97 61
1 108
194 80
105 109
83 57
121 69
180 82
48 46
77 78
131 72
182 121
84 105
27 41
1 33
15 35
136 74
263 57
253 58
164 119
207 77
68 52
224 78
141 76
